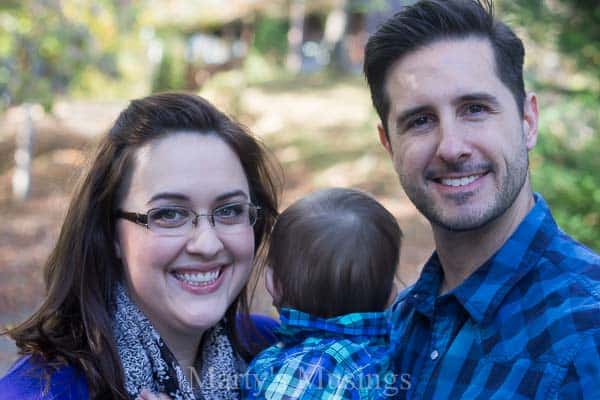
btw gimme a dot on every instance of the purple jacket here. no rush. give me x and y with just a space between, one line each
26 378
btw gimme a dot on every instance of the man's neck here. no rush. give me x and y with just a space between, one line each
461 253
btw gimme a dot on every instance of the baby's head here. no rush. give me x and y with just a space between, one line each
334 252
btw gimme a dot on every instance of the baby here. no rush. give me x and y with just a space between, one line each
331 266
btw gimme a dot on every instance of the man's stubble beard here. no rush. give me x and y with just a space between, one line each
506 194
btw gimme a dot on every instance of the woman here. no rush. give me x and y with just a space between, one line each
148 276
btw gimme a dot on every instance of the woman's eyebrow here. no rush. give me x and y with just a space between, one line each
168 196
183 197
233 193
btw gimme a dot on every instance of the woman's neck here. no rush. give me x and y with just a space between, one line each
185 350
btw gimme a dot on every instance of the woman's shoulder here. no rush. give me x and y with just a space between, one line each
31 378
266 326
263 331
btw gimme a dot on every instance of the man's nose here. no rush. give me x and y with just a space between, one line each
453 144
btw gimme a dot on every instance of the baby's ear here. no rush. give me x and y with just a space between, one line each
271 287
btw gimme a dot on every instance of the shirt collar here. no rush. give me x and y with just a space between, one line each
298 323
423 294
483 291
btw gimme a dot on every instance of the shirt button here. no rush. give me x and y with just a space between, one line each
434 355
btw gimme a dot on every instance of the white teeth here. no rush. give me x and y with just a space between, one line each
198 278
459 181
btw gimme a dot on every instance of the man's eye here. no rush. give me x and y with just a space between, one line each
474 109
420 122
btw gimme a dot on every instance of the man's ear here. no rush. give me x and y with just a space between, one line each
271 286
384 139
530 120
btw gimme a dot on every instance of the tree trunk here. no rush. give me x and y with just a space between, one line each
295 35
21 181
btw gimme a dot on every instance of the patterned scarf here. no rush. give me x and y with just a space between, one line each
148 363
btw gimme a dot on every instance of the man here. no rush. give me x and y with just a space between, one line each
508 306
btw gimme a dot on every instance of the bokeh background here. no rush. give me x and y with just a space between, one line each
290 71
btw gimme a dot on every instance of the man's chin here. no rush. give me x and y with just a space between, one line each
464 222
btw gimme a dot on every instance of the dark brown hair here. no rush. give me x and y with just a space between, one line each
429 21
334 252
73 324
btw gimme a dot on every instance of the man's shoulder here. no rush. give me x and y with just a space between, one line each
557 304
573 257
567 269
32 379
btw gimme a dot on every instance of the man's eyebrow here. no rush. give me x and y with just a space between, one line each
407 114
482 97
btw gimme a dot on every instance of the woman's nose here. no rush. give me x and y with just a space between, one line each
204 239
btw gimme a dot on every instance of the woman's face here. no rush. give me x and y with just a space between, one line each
184 284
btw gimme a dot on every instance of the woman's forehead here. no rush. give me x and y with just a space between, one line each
198 166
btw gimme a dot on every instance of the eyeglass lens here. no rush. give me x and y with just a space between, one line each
178 221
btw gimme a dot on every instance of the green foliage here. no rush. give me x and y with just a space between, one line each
49 47
270 37
168 77
576 24
566 164
41 50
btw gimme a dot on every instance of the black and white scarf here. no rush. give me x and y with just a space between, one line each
148 363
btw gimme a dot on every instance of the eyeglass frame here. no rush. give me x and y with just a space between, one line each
142 219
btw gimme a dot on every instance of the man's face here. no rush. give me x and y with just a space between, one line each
456 137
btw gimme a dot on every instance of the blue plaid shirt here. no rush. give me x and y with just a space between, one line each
524 325
337 358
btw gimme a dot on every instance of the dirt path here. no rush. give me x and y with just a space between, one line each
322 132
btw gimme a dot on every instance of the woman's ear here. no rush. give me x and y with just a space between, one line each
117 245
117 249
271 286
393 293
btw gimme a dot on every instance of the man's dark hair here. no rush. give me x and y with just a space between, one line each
430 21
334 252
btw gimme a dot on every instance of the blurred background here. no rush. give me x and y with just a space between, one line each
288 69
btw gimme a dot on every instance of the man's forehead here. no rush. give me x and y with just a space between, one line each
443 63
448 53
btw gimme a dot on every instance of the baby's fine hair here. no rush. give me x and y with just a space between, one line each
334 252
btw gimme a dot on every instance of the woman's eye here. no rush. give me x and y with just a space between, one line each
170 214
229 211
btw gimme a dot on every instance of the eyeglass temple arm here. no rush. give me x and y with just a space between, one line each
141 219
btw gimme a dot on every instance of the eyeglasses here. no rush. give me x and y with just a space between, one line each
179 221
